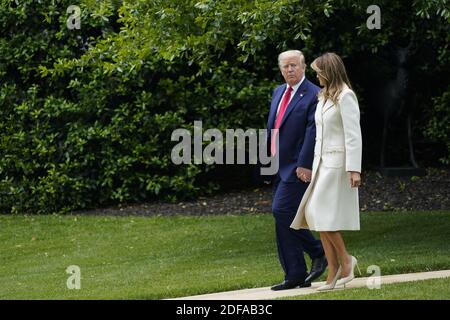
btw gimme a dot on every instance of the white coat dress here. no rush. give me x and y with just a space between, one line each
330 203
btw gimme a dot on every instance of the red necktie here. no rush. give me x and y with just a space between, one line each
283 106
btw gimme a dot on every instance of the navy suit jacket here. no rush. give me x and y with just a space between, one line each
297 132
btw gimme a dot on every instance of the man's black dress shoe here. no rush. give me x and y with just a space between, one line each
317 269
291 284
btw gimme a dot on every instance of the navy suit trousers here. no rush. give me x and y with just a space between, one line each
292 243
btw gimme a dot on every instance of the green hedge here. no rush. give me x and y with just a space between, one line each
86 115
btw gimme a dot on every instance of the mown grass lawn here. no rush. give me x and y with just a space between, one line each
162 257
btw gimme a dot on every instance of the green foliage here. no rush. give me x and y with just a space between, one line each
439 125
86 115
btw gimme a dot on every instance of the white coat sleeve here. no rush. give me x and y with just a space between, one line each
349 109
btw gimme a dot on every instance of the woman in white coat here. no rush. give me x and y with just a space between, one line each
330 203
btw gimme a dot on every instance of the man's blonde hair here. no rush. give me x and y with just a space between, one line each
290 53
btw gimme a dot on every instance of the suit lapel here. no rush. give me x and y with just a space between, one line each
274 107
295 100
320 105
328 105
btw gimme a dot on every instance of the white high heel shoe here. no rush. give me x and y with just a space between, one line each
331 285
351 276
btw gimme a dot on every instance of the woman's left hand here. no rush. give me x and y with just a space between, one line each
355 179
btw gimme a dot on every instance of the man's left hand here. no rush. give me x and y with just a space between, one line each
304 174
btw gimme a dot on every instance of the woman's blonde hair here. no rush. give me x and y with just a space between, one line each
331 69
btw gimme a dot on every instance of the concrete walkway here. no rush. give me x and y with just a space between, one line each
266 293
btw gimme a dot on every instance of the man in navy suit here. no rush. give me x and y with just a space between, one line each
292 116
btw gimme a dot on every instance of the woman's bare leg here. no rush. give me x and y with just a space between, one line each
332 258
338 244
